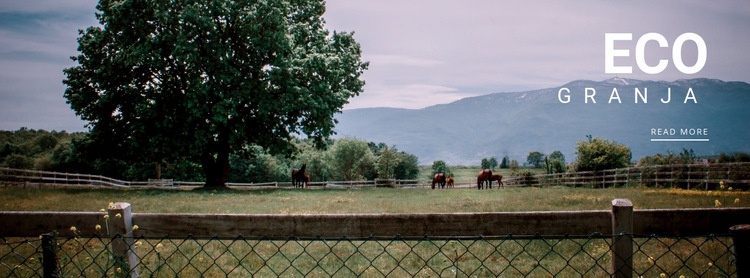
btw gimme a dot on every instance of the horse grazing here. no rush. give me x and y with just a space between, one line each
439 179
449 182
484 176
498 178
298 177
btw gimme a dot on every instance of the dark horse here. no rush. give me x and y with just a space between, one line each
439 179
299 178
484 176
499 179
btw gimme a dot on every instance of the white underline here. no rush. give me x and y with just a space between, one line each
680 140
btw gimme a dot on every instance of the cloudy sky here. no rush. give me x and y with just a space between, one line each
421 52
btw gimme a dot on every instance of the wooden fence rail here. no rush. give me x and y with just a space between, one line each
704 176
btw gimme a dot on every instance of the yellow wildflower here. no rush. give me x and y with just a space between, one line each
651 260
106 217
102 210
73 229
717 203
138 243
135 227
710 264
118 216
736 201
118 270
730 188
98 227
663 275
721 184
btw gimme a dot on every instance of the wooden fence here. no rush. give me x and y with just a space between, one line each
622 223
704 176
688 176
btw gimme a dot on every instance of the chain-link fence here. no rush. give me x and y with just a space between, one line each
396 256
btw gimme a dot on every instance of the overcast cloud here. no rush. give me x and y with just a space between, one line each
421 52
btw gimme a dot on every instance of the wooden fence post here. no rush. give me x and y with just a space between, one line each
121 229
622 241
49 256
741 238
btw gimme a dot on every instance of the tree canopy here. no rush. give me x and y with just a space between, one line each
600 154
179 79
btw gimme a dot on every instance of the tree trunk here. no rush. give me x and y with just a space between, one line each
216 168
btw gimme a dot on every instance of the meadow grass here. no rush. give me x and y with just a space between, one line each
361 200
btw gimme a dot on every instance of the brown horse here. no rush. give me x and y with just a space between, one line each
298 177
484 176
439 179
449 182
499 179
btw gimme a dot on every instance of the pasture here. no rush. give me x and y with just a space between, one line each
362 200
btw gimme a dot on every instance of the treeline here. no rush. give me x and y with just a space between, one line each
341 159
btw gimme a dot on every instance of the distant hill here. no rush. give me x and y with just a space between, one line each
514 124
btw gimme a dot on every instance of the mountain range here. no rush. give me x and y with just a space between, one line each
713 114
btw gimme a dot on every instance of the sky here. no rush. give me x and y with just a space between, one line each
421 52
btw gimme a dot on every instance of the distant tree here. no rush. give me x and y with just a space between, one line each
493 163
485 163
555 163
600 154
386 163
201 80
535 159
505 162
407 167
439 166
351 159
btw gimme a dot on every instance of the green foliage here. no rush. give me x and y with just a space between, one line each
407 167
439 166
489 163
33 149
493 162
736 157
199 81
535 159
513 165
386 163
505 162
685 157
601 154
351 159
485 163
555 163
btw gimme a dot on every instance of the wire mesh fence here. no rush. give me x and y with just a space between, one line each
373 256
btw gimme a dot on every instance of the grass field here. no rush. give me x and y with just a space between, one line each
362 200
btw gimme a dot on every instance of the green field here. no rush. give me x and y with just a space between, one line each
361 200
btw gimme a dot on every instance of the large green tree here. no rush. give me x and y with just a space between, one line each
200 80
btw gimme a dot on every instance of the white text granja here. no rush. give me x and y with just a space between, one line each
640 95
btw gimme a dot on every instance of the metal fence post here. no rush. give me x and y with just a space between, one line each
121 225
741 238
622 241
49 256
